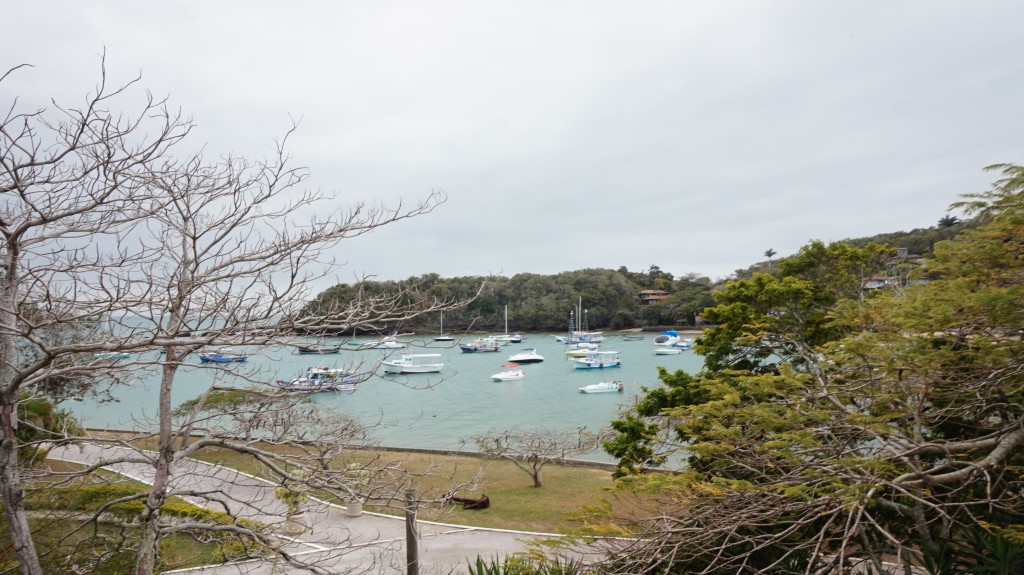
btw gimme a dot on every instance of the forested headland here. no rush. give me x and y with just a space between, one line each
538 302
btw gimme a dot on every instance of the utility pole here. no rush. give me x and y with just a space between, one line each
412 552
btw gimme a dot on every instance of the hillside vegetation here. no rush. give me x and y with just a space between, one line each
542 302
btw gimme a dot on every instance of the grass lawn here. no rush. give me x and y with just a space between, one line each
69 542
515 503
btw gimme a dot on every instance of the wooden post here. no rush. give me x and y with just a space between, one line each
412 552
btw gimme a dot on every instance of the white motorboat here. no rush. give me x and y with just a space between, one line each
577 351
526 355
414 363
597 360
668 350
603 387
668 337
222 355
509 375
320 379
389 342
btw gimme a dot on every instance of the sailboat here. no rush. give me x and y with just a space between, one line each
578 328
443 336
509 337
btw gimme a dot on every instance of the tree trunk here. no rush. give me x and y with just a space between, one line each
12 493
537 465
149 551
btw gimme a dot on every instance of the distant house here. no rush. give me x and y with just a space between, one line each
903 256
879 282
649 296
899 273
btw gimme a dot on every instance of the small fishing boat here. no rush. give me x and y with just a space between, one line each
318 349
222 356
603 387
317 379
597 360
414 363
486 344
389 342
526 355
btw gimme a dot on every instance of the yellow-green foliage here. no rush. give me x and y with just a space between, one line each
93 497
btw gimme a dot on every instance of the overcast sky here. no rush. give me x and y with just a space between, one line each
691 135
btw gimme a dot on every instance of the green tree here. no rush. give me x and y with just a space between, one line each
827 429
784 316
41 424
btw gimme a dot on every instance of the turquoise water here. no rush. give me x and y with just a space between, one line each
437 411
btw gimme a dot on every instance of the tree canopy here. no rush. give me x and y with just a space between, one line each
537 302
829 428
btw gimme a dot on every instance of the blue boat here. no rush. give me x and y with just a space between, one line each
112 355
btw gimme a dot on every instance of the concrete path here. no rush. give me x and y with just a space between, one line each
330 539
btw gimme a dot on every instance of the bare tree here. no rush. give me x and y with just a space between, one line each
68 178
531 449
108 223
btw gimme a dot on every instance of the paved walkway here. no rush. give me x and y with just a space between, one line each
332 540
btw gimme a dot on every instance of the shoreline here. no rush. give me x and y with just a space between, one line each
98 433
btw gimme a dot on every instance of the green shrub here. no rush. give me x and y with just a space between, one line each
526 565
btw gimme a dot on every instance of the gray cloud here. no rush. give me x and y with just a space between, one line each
688 135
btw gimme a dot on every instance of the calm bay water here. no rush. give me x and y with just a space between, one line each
433 410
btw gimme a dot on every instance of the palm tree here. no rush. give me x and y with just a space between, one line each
948 220
768 253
